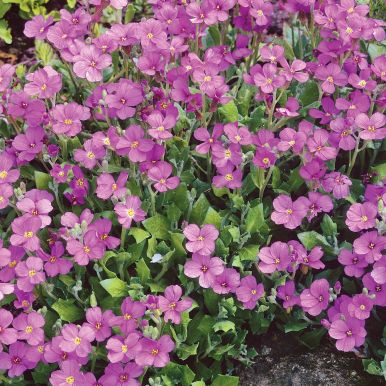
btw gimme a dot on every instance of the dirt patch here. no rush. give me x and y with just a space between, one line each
282 362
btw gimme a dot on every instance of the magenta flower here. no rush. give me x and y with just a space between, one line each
171 305
361 216
123 349
155 352
372 127
291 140
90 63
126 95
363 80
54 354
379 271
7 174
268 80
29 327
312 260
223 156
91 248
294 70
332 76
349 333
316 203
317 145
288 213
342 135
60 173
25 230
226 282
274 258
264 158
260 11
107 186
353 263
237 135
43 83
229 177
133 144
54 263
249 292
209 140
378 291
117 375
8 335
39 209
371 245
6 192
77 339
6 289
67 118
357 103
102 228
360 307
205 268
30 273
16 361
90 154
315 299
129 211
201 241
286 292
160 125
69 374
131 313
160 173
100 322
338 184
30 144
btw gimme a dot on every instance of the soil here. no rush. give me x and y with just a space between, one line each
282 362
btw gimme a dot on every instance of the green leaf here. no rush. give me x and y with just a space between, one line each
312 239
255 219
372 367
200 208
328 226
67 310
212 217
42 180
215 34
229 112
71 3
115 287
139 234
185 351
42 372
44 52
224 325
309 93
5 32
249 253
225 380
312 339
143 271
130 12
158 226
174 374
294 326
4 8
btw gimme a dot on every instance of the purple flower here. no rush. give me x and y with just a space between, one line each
375 289
123 349
100 322
291 140
249 292
131 314
201 241
286 292
160 125
171 305
209 140
315 299
371 245
90 63
38 27
331 75
43 83
338 184
121 375
264 158
6 192
7 174
229 177
316 203
372 127
267 79
274 258
67 118
77 339
349 333
317 146
129 211
107 186
205 268
39 208
69 374
160 173
6 289
16 361
29 327
8 335
25 230
30 273
363 80
223 156
237 135
102 228
287 212
353 263
226 282
358 103
342 135
260 10
155 352
91 153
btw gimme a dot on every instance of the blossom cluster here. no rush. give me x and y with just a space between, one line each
132 142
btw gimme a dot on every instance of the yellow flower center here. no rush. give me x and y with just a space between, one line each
269 81
161 128
68 121
228 153
90 155
3 174
330 79
289 211
131 212
124 348
207 78
265 161
362 307
77 340
150 35
229 177
162 181
260 12
43 87
134 145
28 234
32 273
70 380
253 292
349 31
362 83
154 352
28 329
372 129
364 218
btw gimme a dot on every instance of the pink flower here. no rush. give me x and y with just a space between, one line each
30 144
39 209
121 375
171 305
201 241
226 282
160 125
267 79
55 265
38 27
77 339
155 352
43 83
317 146
123 349
286 292
360 307
349 333
131 313
331 75
361 216
16 361
90 154
107 187
209 140
316 203
338 184
30 273
90 63
229 177
371 245
69 373
274 258
291 140
313 259
315 299
100 322
67 118
237 135
249 292
160 173
29 327
6 192
260 11
205 268
8 335
372 127
288 213
7 174
129 211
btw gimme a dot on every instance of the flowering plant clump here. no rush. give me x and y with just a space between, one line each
175 182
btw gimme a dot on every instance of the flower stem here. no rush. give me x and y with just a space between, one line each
267 178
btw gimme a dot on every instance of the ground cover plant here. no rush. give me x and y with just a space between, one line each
177 181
